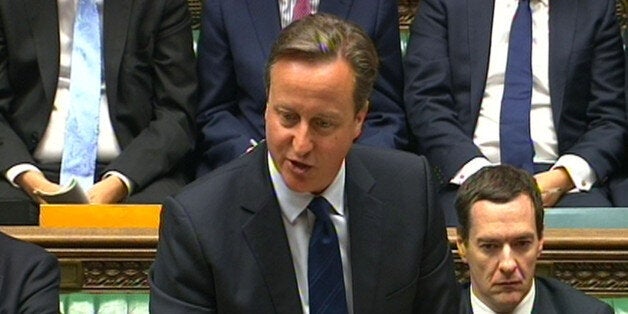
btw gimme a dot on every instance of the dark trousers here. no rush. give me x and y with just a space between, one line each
17 208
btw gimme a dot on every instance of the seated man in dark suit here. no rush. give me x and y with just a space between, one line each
29 278
234 44
307 216
534 84
107 101
500 237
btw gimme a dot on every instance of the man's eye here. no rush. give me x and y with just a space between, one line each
289 117
488 247
323 124
525 244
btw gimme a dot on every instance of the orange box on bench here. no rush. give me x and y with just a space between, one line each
99 216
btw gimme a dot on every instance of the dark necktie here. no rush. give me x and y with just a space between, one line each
324 266
516 146
81 131
301 9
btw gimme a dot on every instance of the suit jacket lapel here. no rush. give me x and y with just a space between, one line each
116 14
543 297
336 7
465 300
480 19
267 22
44 21
266 236
366 220
562 27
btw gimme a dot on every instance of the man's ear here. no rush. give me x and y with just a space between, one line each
462 248
541 241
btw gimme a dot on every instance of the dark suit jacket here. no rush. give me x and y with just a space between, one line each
29 278
223 247
446 67
234 45
552 297
149 75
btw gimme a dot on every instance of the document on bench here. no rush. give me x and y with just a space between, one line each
69 194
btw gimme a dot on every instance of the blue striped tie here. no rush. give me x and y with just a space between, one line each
324 266
81 132
516 147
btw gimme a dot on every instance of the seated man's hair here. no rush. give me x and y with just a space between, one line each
326 38
497 184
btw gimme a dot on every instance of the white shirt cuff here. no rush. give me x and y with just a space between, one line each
581 173
125 180
471 167
17 170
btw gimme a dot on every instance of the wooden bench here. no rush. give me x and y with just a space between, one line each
117 260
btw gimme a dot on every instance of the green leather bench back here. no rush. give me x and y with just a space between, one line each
104 303
137 303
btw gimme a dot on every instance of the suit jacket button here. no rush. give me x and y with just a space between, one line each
34 137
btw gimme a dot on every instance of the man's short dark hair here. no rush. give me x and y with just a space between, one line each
326 38
497 184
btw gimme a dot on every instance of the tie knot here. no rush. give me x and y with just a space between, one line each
320 207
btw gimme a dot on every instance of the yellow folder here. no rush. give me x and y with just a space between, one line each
99 216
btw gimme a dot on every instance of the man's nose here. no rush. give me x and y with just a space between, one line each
507 262
302 142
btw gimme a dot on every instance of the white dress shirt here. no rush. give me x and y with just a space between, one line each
524 307
542 131
298 223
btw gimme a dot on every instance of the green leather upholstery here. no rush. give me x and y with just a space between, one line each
585 217
620 305
104 303
137 303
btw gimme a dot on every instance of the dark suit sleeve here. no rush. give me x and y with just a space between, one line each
596 88
40 287
437 288
430 105
12 148
385 124
180 280
170 135
222 137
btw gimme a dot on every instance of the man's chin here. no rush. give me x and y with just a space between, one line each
508 301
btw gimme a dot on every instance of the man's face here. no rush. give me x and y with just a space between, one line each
502 250
311 121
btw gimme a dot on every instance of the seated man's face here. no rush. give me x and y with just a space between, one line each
502 250
311 121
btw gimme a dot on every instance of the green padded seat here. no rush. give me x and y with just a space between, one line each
104 303
587 217
620 305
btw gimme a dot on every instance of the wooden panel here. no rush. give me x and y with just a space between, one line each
592 260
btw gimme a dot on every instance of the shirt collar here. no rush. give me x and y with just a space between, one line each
543 2
293 203
524 307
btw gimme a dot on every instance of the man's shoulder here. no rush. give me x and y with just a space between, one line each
225 182
386 158
566 297
18 258
379 153
12 248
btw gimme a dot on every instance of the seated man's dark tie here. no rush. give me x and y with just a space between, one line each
516 147
324 267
